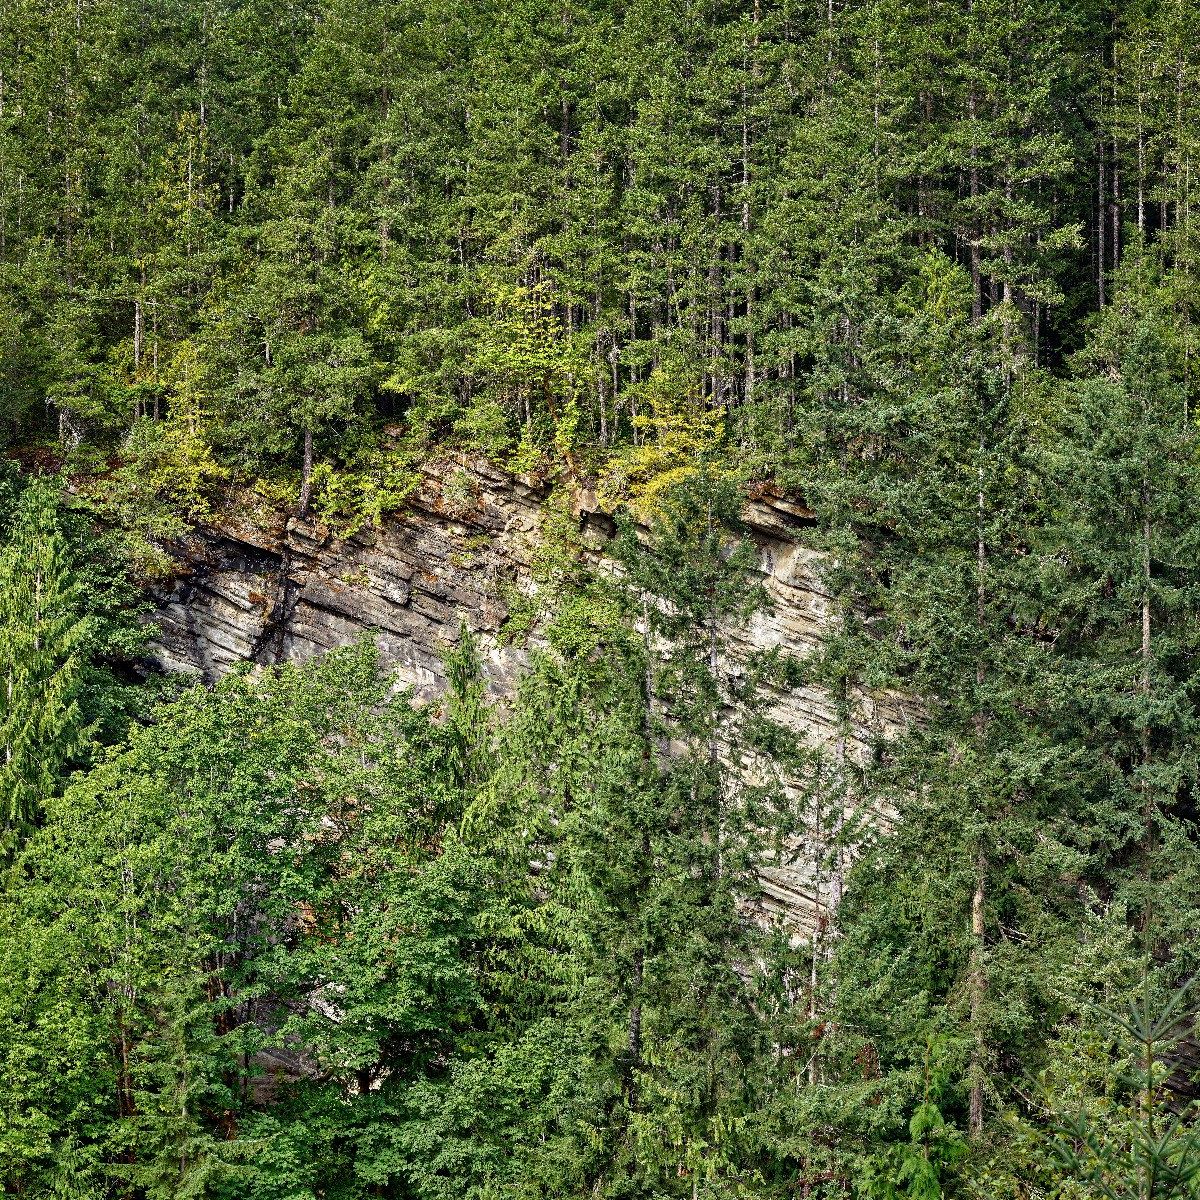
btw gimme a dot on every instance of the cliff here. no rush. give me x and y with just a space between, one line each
464 549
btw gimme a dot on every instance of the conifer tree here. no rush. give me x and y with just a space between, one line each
1126 555
41 664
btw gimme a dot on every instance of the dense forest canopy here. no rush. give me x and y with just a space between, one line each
227 230
929 266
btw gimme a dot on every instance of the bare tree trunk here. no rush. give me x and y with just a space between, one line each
818 938
976 257
1147 791
977 982
1116 191
715 333
1101 223
1141 183
634 1037
978 991
1008 250
602 404
138 338
750 379
635 1008
837 877
614 356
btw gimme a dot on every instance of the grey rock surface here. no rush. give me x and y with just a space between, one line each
284 592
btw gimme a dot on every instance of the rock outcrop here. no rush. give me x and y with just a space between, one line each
464 550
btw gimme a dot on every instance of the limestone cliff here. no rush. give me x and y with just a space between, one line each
462 549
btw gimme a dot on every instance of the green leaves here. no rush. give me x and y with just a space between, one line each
930 265
263 881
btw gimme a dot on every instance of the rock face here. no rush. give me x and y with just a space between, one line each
285 592
465 551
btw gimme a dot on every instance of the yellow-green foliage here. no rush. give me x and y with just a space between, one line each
164 479
352 497
526 365
940 289
522 344
166 468
172 462
676 435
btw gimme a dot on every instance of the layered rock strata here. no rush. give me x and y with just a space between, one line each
463 552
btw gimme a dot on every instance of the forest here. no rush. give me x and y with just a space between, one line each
930 268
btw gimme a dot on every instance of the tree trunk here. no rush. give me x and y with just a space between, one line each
634 1039
977 978
1141 183
976 256
1144 687
818 938
978 991
635 1008
1101 230
837 877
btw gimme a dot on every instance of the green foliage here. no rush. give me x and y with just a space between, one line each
918 1169
541 234
42 637
676 439
522 359
1143 1149
929 269
253 802
162 480
352 945
364 494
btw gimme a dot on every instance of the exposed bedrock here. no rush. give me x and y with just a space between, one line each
460 552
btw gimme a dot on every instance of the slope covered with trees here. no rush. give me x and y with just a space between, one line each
263 234
928 265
